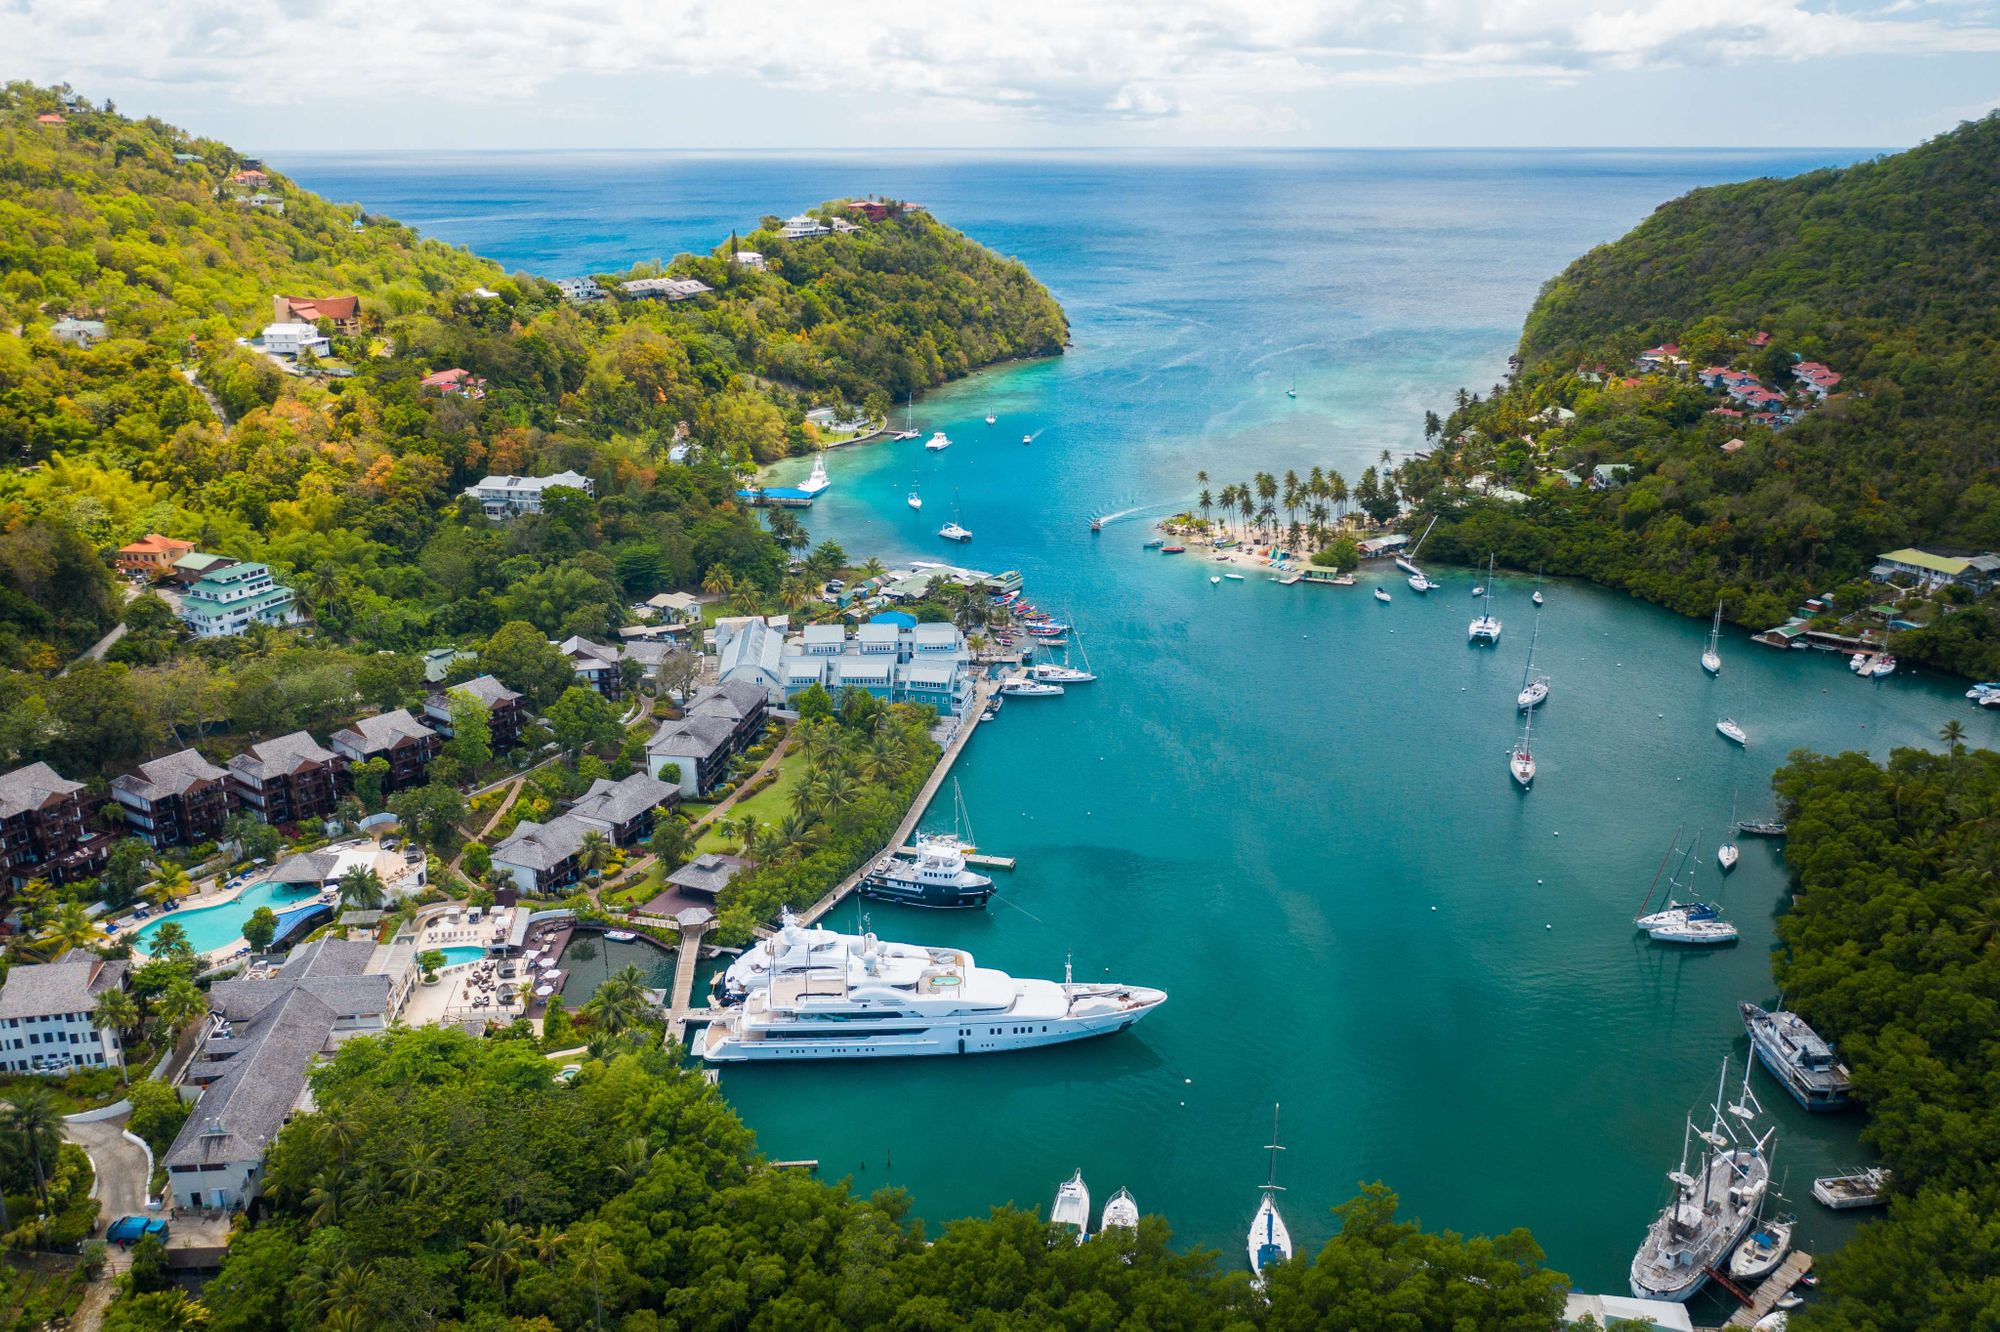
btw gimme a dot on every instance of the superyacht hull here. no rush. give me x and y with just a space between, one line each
732 1041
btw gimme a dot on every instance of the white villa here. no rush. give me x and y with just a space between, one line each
506 496
225 603
46 1015
291 339
802 226
929 663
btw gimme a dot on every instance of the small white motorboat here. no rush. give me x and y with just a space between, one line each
1027 439
1030 689
1537 598
1766 1246
938 442
620 936
1381 595
1234 578
1072 1207
1214 579
1731 731
1120 1211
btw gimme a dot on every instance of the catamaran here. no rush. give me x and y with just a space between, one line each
811 993
1122 1210
1269 1242
938 442
1522 761
1534 688
1692 921
1072 1206
1798 1057
1712 1207
1486 628
1711 657
955 530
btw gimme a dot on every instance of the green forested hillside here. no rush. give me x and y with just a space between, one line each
1893 950
1883 271
347 479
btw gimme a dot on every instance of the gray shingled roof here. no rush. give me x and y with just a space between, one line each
543 846
578 646
373 734
332 969
169 776
32 787
482 687
707 873
734 699
623 801
240 1113
697 736
70 984
286 754
304 867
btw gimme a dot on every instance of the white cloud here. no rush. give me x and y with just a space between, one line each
1197 65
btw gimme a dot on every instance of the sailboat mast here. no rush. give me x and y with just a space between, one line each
1274 1149
1661 870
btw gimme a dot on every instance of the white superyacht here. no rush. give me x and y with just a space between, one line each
810 993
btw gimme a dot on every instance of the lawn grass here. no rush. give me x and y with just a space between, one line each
769 805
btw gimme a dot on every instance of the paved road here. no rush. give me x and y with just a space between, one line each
120 1166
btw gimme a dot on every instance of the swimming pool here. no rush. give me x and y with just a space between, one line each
213 927
461 953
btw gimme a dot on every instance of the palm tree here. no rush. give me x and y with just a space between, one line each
594 852
496 1254
323 1200
362 889
118 1012
883 761
170 940
767 845
874 568
346 1298
592 1259
421 1168
638 1155
794 592
1207 502
619 1003
719 583
746 831
336 1137
1953 735
796 829
547 1242
179 1006
34 1130
72 928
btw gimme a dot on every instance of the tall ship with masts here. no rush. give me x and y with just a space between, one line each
1714 1203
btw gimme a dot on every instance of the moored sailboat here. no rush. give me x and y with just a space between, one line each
1534 688
1690 921
1486 628
1711 657
1522 762
1270 1241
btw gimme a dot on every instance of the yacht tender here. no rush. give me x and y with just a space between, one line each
1072 1206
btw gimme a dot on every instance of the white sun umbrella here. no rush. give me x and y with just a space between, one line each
545 990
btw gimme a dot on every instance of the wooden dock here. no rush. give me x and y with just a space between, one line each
971 858
1772 1289
981 692
680 1002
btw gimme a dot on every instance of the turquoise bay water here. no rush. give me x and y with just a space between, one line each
1260 804
209 928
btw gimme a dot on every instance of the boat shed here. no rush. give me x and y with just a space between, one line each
1625 1310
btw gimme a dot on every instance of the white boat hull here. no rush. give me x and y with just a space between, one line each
1523 770
1711 663
1269 1239
1532 697
1731 732
722 1042
1120 1211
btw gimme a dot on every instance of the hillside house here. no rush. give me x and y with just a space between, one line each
48 1022
42 834
288 779
228 601
153 555
398 739
505 712
343 312
179 800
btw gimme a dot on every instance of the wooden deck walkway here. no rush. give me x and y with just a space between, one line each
1772 1289
971 858
680 1003
982 691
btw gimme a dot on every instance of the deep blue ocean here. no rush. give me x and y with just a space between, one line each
1289 807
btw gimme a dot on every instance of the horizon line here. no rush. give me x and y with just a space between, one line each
1165 150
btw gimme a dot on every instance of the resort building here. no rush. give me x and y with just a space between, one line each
79 333
317 871
179 800
343 312
624 810
927 663
598 666
719 722
708 873
261 1040
749 651
153 555
47 1014
406 744
505 715
541 857
294 340
228 601
507 496
580 290
664 288
1974 573
41 828
287 779
681 606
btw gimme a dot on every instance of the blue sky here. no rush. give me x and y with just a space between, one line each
811 74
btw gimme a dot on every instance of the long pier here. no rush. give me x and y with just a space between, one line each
968 723
680 1002
979 858
1772 1289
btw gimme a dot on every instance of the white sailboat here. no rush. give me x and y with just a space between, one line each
1711 658
1727 854
1731 731
990 417
1486 628
1537 598
1072 1206
1049 672
1534 688
1122 1210
1712 1205
1692 921
1407 562
955 530
1759 1255
1522 761
916 499
1269 1240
